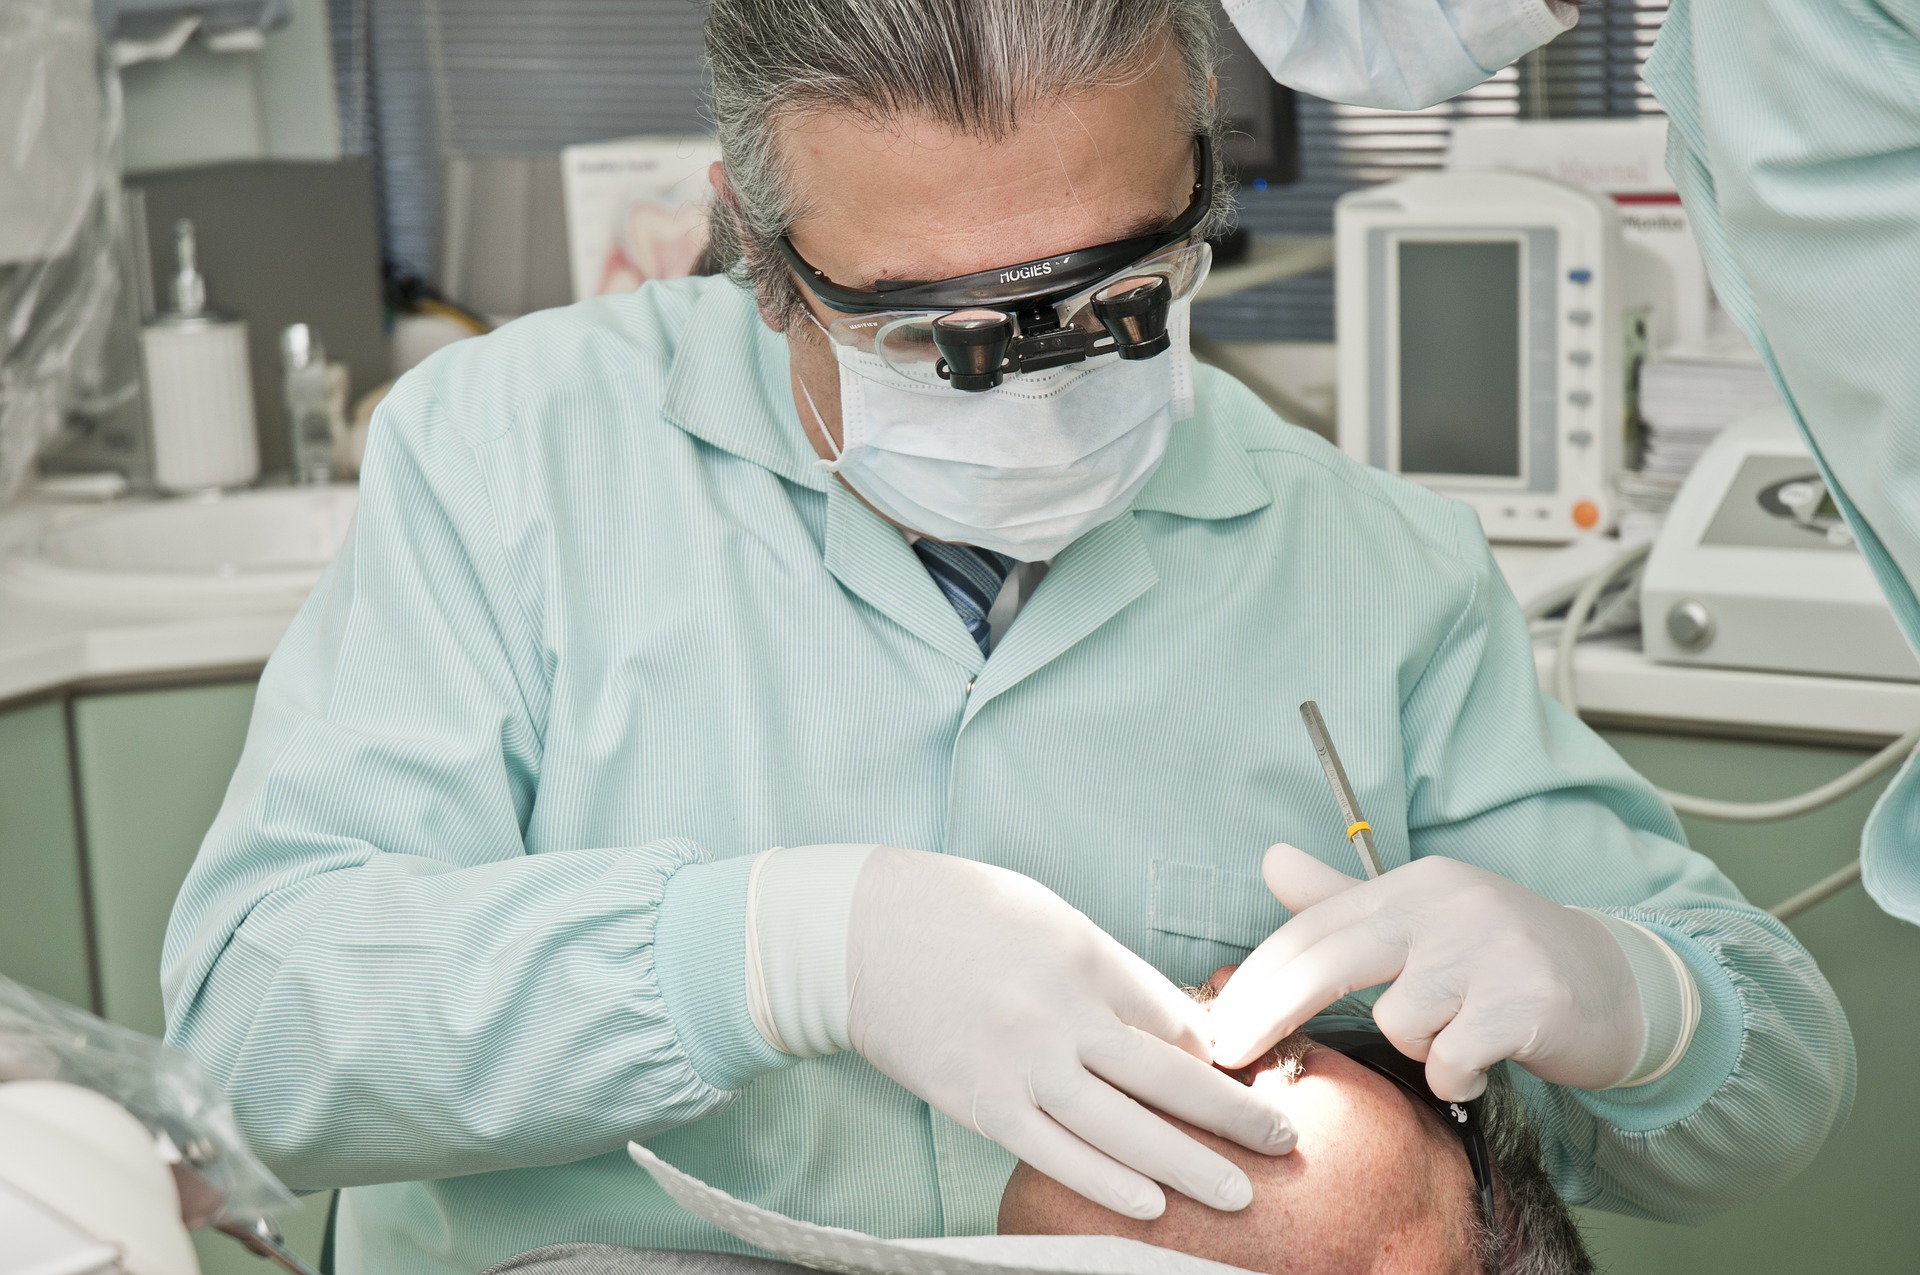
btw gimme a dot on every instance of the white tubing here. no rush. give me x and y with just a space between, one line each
1826 794
1819 892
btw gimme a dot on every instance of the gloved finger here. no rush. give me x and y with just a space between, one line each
1299 880
1144 998
1351 904
1113 1123
1415 1010
1156 1073
1049 1147
1267 999
1477 1038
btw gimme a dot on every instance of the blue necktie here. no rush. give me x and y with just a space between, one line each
971 579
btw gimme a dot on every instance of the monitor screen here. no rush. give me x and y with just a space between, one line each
1459 335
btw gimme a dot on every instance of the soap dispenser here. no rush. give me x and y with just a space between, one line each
199 390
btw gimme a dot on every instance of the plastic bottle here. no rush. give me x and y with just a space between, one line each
309 417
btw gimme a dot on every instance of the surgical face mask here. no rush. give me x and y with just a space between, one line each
1399 54
1025 468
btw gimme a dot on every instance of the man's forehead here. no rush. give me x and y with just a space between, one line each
916 199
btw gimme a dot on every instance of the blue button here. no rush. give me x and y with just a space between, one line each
1580 276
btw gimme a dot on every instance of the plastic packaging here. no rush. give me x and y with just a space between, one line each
221 1180
60 216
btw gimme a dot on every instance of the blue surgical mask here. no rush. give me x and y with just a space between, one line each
1399 54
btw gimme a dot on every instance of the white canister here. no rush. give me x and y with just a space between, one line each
200 399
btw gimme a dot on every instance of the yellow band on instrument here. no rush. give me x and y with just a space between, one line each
1359 826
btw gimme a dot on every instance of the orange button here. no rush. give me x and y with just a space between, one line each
1586 515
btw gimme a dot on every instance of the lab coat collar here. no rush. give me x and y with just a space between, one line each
728 386
1206 474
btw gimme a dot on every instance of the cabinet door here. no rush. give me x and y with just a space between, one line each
43 925
1853 1209
153 768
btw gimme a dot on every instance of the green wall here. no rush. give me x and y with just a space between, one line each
1854 1210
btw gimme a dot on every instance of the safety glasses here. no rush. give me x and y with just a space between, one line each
1374 1052
974 330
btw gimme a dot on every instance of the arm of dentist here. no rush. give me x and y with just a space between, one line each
1680 1049
391 985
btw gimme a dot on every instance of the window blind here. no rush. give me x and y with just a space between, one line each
419 80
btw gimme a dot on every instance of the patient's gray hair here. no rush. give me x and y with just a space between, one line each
971 65
1534 1232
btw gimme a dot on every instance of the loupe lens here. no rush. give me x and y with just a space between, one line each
1134 313
973 344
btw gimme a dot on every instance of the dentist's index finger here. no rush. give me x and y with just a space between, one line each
1299 880
1282 985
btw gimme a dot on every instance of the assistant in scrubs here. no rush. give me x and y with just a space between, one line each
726 729
1795 139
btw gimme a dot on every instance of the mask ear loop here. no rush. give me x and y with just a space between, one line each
839 454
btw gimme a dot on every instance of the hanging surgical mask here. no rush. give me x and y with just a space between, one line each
1399 54
1025 468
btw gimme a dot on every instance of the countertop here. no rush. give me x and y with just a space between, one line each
50 646
47 647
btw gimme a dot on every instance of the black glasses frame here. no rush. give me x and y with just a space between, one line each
1376 1053
1018 287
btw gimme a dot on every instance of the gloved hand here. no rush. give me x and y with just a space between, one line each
1482 969
999 1004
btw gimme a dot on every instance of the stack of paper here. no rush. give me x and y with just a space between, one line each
1686 398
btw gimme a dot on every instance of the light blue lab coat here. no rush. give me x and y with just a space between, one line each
1795 139
471 916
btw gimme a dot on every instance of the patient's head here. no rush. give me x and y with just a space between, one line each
1377 1184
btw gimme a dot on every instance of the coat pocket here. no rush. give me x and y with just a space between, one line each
1205 916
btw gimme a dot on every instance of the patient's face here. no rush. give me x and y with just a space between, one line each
1376 1184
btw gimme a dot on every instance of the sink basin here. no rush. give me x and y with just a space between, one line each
256 546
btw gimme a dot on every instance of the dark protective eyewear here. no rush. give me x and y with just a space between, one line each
994 323
1374 1052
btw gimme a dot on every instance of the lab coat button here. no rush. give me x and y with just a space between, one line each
969 686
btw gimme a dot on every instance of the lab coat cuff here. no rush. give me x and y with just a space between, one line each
799 903
699 957
1669 998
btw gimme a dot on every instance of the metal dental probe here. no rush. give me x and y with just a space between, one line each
1359 831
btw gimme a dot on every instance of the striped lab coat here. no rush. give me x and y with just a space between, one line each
471 915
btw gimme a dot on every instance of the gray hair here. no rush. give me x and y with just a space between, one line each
1534 1232
971 65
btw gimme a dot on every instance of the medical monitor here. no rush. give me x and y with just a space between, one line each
1481 328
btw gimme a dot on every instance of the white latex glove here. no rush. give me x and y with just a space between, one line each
1482 969
991 998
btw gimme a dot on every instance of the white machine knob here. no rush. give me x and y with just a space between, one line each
1690 625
